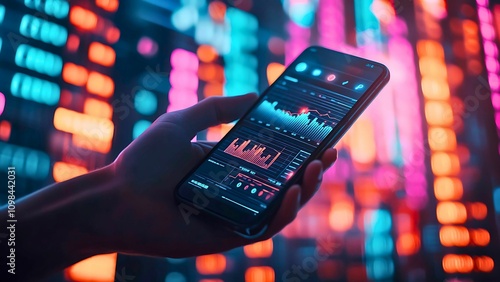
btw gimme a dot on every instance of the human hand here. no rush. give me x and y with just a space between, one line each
144 217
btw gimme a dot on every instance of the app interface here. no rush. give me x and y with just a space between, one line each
253 162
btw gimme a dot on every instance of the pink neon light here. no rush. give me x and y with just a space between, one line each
332 32
182 59
492 65
490 48
491 52
181 79
2 103
484 3
147 46
488 31
409 117
495 98
494 81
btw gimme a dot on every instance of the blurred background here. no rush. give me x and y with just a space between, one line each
415 193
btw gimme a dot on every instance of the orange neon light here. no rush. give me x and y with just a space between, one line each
451 212
107 5
100 84
454 236
458 263
480 237
211 264
438 113
261 249
213 89
448 188
484 263
92 144
207 53
63 171
442 139
443 164
102 54
478 210
83 18
97 108
341 217
274 70
82 124
75 74
259 274
99 268
211 72
408 244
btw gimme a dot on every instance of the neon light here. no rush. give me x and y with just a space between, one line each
2 13
38 60
5 130
274 70
367 25
145 102
97 108
207 53
112 35
82 124
378 244
259 274
2 103
183 79
139 127
101 54
491 56
35 89
147 46
211 264
75 74
341 217
56 8
43 30
83 18
30 163
261 249
96 268
100 84
63 171
73 43
240 63
107 5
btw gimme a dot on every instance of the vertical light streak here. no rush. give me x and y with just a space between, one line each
491 56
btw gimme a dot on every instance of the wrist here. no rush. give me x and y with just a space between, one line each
59 225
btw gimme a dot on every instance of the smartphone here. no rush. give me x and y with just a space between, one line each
242 181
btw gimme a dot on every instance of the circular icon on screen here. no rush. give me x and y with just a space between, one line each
316 72
331 77
300 67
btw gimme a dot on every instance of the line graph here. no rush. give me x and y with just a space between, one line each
309 123
258 154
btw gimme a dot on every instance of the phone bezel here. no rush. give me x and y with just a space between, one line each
258 223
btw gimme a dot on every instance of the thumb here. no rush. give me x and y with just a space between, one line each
213 111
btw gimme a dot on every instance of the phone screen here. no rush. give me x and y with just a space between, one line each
250 166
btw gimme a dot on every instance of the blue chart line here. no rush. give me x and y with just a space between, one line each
304 124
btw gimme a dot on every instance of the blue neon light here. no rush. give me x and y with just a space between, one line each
43 30
38 60
35 89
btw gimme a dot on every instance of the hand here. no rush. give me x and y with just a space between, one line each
145 218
